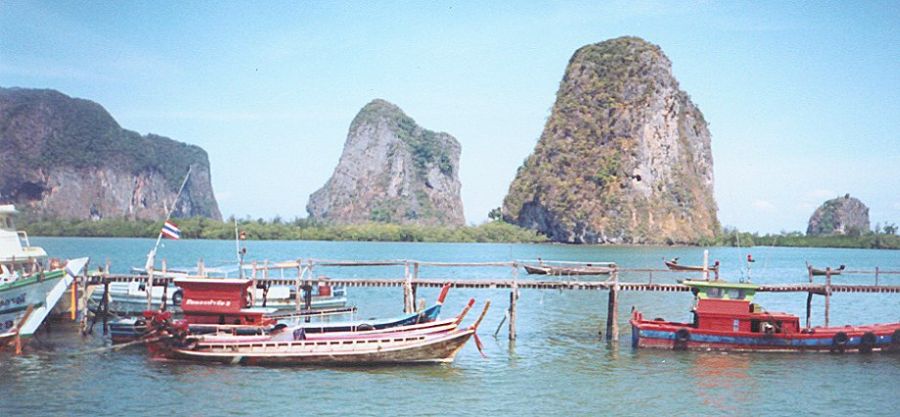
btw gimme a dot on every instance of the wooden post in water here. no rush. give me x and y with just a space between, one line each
705 266
513 297
73 301
165 294
408 306
809 297
827 293
612 310
106 304
297 288
876 276
413 286
201 268
84 304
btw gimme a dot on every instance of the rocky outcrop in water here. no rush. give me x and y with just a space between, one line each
839 216
391 170
624 157
63 157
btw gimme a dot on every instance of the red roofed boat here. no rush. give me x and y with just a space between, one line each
725 318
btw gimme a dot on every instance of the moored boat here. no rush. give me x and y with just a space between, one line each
588 269
29 287
673 265
725 318
397 347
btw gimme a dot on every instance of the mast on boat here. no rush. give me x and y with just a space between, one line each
151 256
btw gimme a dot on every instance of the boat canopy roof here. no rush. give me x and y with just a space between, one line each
723 289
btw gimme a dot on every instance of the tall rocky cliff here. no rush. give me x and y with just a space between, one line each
624 157
391 170
63 157
839 216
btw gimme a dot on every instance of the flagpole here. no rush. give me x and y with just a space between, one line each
151 256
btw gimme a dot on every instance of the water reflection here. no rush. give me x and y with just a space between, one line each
722 381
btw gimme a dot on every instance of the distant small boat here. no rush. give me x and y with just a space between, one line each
823 272
675 266
566 270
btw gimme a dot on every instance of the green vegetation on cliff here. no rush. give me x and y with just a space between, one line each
886 239
299 229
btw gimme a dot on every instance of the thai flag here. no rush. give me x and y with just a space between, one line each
171 230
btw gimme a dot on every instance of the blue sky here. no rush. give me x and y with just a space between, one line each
803 99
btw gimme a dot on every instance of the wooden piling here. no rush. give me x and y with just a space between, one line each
876 275
84 302
298 284
413 287
513 297
105 307
308 298
165 294
612 310
809 297
408 306
201 268
73 301
148 287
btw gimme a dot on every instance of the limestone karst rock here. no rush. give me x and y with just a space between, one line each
391 170
64 157
624 156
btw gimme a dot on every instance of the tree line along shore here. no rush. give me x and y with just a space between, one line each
495 231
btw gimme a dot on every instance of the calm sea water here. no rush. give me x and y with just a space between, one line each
558 365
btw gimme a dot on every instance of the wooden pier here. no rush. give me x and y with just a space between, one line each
299 274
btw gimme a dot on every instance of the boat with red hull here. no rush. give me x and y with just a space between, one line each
726 319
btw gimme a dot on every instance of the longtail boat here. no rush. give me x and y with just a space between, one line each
397 347
291 333
569 270
725 318
673 265
30 286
